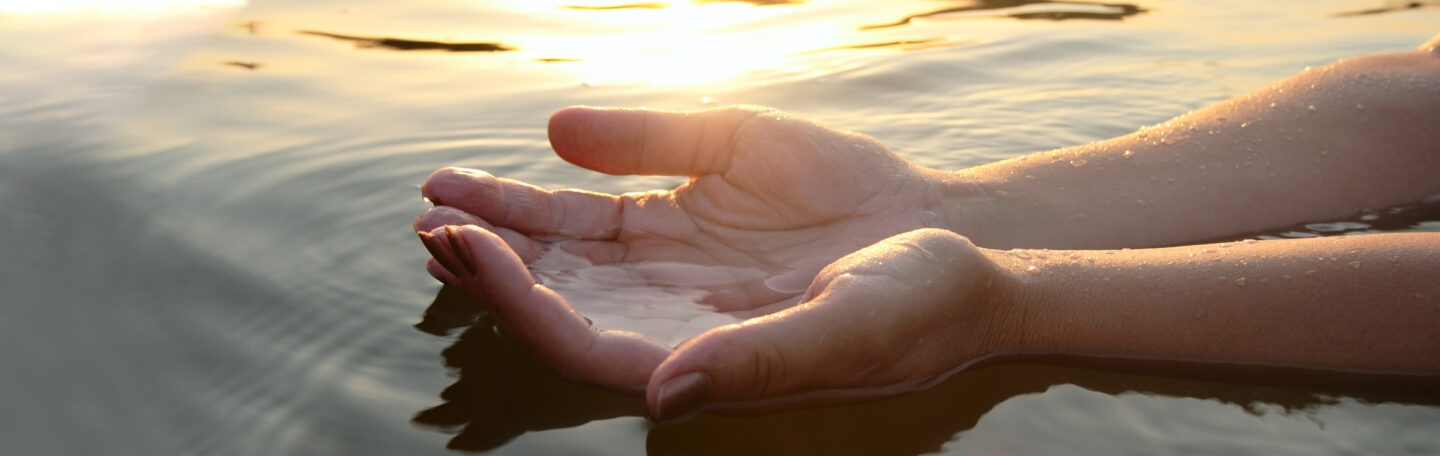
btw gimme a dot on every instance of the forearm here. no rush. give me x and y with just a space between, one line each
1323 144
1364 303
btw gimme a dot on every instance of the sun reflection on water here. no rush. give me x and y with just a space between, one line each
677 44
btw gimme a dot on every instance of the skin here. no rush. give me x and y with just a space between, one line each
900 295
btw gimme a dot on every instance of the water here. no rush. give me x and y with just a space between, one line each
662 300
207 247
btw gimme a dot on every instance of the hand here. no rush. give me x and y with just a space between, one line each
768 192
890 318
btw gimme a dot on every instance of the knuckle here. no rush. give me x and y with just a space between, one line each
757 367
768 369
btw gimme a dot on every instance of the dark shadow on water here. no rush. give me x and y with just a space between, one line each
1389 7
399 44
245 65
501 392
1026 9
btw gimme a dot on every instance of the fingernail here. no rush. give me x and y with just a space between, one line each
682 396
460 247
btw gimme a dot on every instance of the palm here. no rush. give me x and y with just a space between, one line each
783 208
776 197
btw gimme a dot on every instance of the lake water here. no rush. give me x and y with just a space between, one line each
206 248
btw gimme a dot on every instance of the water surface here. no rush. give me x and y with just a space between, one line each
207 248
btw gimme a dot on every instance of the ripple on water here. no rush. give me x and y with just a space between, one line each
222 264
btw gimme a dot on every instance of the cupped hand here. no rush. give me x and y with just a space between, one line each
768 192
892 317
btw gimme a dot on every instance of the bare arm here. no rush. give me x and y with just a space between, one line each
915 307
1353 303
1324 144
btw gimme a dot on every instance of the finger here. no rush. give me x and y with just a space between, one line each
481 262
527 209
483 265
526 247
439 216
439 272
643 141
809 348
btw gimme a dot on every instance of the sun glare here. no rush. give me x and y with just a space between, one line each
678 43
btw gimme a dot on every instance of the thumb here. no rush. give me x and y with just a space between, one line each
814 352
645 141
880 321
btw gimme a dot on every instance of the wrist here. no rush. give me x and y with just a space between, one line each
977 303
967 205
1006 300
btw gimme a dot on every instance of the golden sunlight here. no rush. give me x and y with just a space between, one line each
677 43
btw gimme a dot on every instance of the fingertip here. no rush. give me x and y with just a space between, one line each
680 397
583 135
439 216
461 249
565 120
451 184
568 114
439 272
442 249
715 366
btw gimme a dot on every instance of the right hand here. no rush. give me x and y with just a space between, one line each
890 318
